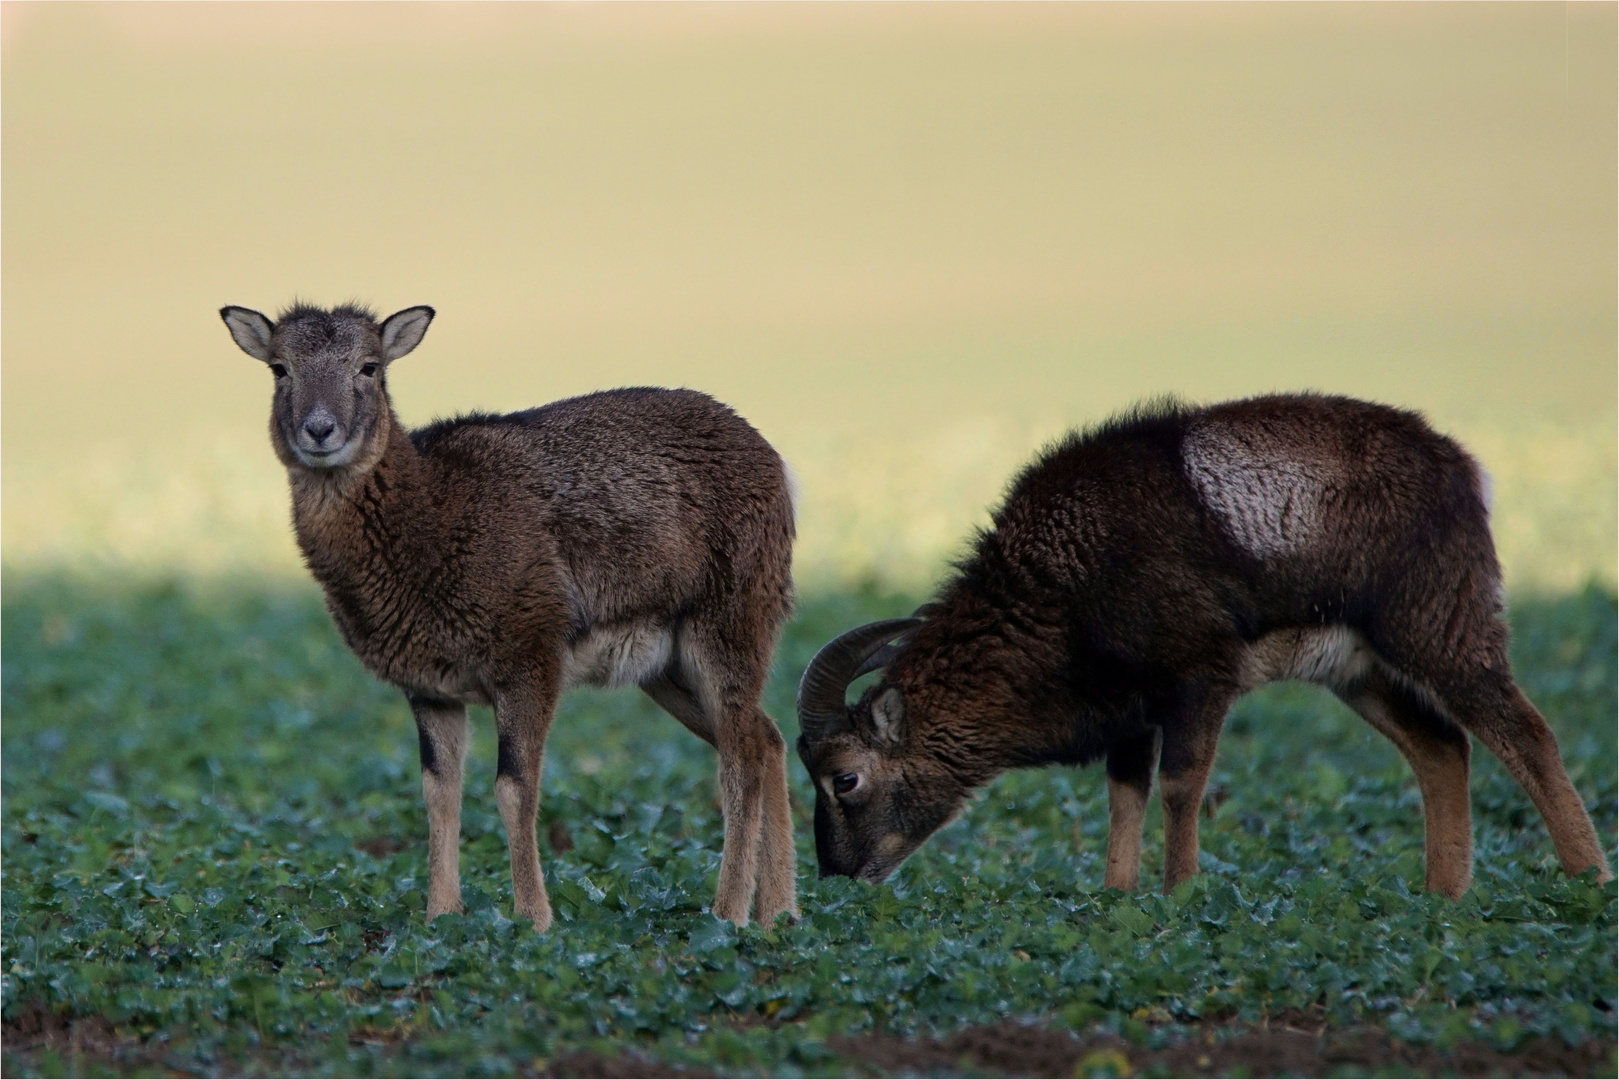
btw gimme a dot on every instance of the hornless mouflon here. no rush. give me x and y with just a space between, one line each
1143 575
634 537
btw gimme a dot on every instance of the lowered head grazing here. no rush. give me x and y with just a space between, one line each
879 794
330 367
1141 577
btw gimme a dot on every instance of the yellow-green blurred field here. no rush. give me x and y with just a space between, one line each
909 242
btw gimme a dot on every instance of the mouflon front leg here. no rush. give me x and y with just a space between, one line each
441 729
1130 763
522 720
1191 727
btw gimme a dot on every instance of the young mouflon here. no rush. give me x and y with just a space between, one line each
632 537
1142 576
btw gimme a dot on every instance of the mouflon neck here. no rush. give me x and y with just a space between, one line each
365 524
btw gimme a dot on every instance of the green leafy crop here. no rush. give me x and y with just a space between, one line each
214 848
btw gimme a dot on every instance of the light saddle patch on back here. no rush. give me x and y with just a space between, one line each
1267 495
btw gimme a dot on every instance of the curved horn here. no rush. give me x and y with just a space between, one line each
841 661
885 655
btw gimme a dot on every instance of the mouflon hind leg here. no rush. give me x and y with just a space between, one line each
741 782
1437 751
776 888
777 892
776 831
679 703
726 669
1494 709
1452 642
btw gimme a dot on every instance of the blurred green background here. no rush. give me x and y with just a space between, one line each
910 242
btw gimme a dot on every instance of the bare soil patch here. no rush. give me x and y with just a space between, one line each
1014 1050
380 847
597 1067
1287 1047
36 1031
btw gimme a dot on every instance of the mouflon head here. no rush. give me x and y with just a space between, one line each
331 407
879 793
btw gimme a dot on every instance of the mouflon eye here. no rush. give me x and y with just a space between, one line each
368 370
846 783
278 371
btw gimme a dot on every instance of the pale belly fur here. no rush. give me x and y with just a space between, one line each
618 656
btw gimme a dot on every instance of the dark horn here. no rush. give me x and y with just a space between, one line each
821 709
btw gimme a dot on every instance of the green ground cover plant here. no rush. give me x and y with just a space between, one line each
214 863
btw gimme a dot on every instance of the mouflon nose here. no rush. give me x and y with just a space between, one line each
319 424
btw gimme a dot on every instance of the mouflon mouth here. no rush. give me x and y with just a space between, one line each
876 871
890 854
326 459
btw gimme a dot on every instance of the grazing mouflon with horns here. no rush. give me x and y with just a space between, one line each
634 537
1142 576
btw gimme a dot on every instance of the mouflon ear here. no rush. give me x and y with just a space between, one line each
888 716
402 331
250 329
